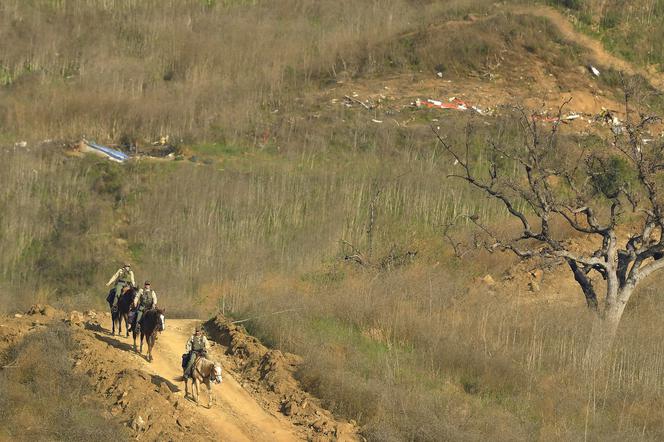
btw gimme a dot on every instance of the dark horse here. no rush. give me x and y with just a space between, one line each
153 321
122 312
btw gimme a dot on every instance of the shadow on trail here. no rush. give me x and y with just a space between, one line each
95 326
158 380
115 343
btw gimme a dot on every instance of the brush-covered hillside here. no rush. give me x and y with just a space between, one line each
289 167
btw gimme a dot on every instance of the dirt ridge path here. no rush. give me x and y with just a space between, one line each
235 416
597 51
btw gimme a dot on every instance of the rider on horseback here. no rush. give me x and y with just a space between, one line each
146 299
196 347
123 277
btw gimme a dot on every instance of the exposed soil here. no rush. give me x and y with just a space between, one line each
149 397
598 54
519 79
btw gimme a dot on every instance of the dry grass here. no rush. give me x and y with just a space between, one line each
415 356
401 345
405 349
57 233
42 399
631 29
126 70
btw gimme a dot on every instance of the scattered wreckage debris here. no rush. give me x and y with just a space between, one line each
593 70
104 151
453 103
161 148
562 119
350 100
608 116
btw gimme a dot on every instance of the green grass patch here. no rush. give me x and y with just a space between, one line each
219 149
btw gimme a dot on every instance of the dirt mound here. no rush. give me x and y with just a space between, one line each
259 399
44 310
144 402
14 329
269 375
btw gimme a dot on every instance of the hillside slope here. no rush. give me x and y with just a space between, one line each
321 196
149 397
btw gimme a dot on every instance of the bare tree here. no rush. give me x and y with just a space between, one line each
540 181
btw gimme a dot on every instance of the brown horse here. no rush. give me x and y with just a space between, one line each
203 372
122 310
153 322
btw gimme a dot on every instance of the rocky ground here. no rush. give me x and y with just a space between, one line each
259 399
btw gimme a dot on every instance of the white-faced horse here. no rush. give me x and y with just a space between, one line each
205 372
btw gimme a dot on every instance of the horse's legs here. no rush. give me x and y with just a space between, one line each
209 387
126 320
196 386
150 341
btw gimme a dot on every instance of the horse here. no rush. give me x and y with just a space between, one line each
122 310
153 321
204 371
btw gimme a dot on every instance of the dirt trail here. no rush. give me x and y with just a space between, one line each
598 54
235 416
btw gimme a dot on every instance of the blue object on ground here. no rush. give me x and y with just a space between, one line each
114 154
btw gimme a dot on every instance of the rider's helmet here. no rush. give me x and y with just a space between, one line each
127 265
146 283
197 329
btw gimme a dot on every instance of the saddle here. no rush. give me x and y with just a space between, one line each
193 354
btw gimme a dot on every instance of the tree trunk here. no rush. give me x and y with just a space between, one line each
605 328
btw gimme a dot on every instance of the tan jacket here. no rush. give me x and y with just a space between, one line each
197 343
137 298
126 275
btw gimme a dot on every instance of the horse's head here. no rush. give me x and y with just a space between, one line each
162 320
215 376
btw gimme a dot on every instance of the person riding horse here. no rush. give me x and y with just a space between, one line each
123 277
146 299
197 346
